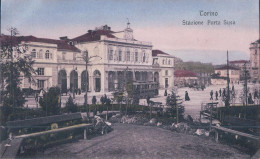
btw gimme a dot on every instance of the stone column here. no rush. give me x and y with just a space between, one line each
105 82
116 80
68 82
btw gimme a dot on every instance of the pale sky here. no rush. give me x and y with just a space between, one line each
157 21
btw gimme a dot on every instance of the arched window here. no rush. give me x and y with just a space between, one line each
40 54
33 53
47 54
97 81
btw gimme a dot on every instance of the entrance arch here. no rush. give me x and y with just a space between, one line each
62 81
73 80
84 80
97 81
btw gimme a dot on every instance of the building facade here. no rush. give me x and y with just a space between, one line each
165 63
112 59
234 73
185 78
242 64
255 61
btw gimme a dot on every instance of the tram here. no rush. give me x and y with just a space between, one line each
145 89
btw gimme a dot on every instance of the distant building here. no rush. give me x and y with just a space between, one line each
255 61
242 64
165 62
185 78
234 73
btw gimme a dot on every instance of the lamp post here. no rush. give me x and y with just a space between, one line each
87 58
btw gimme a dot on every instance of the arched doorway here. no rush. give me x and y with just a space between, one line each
84 80
62 81
111 81
156 77
97 81
73 80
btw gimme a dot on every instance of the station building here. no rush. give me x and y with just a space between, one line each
113 59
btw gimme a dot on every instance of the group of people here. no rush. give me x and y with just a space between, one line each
222 93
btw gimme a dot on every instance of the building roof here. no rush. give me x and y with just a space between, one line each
184 73
158 52
61 44
225 67
238 61
256 42
94 35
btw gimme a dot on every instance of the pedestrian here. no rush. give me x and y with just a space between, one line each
79 91
94 101
211 95
250 100
76 90
165 92
216 95
233 88
256 94
224 92
220 92
187 98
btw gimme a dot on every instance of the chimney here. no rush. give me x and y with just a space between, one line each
64 38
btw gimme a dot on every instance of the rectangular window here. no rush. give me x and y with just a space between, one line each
111 55
63 55
128 56
166 72
40 71
136 56
144 57
166 83
74 56
40 83
120 56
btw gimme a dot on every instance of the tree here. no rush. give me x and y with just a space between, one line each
15 64
71 107
118 96
50 101
177 108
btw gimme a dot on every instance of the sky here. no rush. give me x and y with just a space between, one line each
156 21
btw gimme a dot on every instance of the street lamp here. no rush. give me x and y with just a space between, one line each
86 59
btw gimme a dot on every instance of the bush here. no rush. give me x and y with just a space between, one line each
50 103
71 107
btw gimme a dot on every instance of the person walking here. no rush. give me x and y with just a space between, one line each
187 98
220 92
216 95
256 94
94 102
211 95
